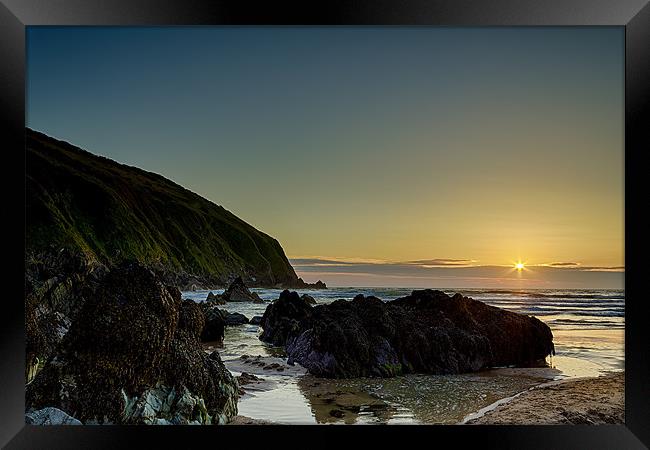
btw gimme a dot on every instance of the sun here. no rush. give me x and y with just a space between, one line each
519 266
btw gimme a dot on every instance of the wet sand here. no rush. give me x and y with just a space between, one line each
273 392
243 420
592 401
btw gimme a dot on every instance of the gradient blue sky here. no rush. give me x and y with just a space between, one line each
381 145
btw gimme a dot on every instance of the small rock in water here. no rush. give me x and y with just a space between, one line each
247 378
215 299
336 413
235 319
238 292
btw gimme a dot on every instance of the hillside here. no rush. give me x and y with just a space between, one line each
110 212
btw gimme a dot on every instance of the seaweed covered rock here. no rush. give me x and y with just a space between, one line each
426 332
198 379
57 281
238 292
215 323
282 318
132 337
514 339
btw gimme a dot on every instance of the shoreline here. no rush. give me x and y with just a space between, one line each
345 401
572 401
568 401
322 396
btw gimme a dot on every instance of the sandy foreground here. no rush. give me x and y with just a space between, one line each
593 400
598 400
243 420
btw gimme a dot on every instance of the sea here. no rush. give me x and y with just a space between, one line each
588 332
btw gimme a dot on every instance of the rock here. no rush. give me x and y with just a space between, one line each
238 292
247 378
57 281
50 416
282 318
309 299
176 407
235 319
255 320
243 420
133 355
215 299
215 324
216 320
301 284
426 332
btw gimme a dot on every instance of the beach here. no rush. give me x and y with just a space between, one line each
588 335
586 401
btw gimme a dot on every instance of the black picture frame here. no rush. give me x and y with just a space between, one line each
633 15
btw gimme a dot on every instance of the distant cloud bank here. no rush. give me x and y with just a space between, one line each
456 273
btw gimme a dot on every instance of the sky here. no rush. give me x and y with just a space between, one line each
401 156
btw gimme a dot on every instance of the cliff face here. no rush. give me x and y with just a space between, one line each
109 212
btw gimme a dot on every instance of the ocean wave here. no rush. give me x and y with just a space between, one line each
576 313
581 294
586 323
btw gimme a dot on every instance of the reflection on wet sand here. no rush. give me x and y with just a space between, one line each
416 399
334 402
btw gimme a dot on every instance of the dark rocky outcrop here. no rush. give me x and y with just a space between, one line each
216 320
235 319
238 292
425 332
255 320
283 318
215 323
308 298
301 284
57 281
318 285
215 299
132 355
